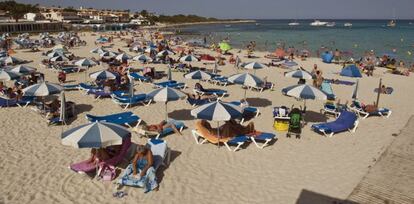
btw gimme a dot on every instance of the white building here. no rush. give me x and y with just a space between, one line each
33 17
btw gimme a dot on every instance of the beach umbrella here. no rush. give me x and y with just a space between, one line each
299 73
165 95
62 116
59 59
6 75
165 53
108 54
102 75
189 58
224 46
304 91
137 48
60 47
253 65
55 54
95 135
351 71
200 75
11 60
85 62
355 92
98 50
246 79
123 57
288 63
23 69
150 49
217 111
142 58
42 89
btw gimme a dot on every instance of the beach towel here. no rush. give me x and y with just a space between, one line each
388 90
148 181
340 82
327 88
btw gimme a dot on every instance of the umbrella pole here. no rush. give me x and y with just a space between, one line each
218 134
166 112
245 92
379 92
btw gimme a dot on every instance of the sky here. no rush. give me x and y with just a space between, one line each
256 9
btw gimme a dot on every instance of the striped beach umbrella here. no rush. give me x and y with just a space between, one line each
246 79
253 65
95 135
217 111
59 59
8 75
165 95
85 63
11 60
42 89
142 58
189 58
123 57
299 73
200 75
108 54
304 91
55 54
150 49
103 74
98 50
23 69
165 53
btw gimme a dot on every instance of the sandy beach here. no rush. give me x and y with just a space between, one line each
33 165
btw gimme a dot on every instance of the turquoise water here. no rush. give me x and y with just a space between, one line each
363 36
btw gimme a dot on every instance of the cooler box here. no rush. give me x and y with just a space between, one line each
281 125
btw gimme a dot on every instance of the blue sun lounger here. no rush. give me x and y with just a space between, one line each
217 92
347 121
237 141
263 137
357 108
166 131
220 80
171 84
7 102
125 118
138 77
69 87
130 101
248 110
99 93
197 102
87 87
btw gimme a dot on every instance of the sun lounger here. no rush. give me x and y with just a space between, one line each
235 141
25 101
197 102
87 87
357 108
99 93
171 84
217 92
220 80
166 131
346 121
333 109
263 137
125 118
249 111
88 167
69 87
7 102
140 78
130 101
268 85
160 151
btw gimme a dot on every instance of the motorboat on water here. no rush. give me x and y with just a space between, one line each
392 23
294 23
318 23
347 24
227 26
330 24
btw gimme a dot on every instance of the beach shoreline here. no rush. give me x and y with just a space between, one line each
163 25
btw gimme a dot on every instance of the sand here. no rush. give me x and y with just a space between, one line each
33 165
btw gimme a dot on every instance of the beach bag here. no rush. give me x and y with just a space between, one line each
107 172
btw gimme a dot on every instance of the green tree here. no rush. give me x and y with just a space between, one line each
144 13
17 10
70 9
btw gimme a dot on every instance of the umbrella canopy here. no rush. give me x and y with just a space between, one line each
11 60
150 49
198 75
165 94
108 54
95 135
351 71
299 73
42 89
23 69
60 47
217 111
253 65
142 58
304 91
103 74
59 59
85 62
8 75
55 54
165 52
123 57
98 50
246 79
189 58
224 46
137 48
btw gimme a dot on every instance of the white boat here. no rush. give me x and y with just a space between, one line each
227 26
347 24
318 23
392 23
294 23
257 24
330 24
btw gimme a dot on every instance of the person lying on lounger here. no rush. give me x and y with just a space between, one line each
158 128
200 97
140 172
230 128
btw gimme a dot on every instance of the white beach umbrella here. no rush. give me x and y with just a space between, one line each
200 75
59 59
103 74
142 58
98 50
123 57
165 52
108 54
246 79
304 91
253 65
8 75
23 69
165 95
85 62
11 60
55 54
299 73
42 89
189 58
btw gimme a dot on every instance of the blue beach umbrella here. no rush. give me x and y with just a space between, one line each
102 75
85 63
95 135
8 75
351 71
108 54
200 75
189 58
299 73
288 63
304 91
42 89
123 57
165 53
142 58
59 59
23 69
55 54
98 50
11 60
